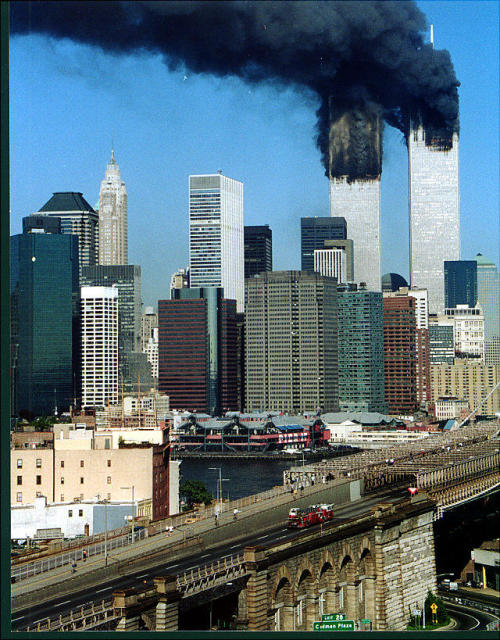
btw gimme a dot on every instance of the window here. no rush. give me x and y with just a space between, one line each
19 463
62 480
80 512
39 479
81 496
108 479
109 463
107 443
62 463
19 497
70 513
38 463
38 494
82 463
19 479
109 496
81 480
62 497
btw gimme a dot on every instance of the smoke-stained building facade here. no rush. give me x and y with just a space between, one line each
355 188
434 203
291 342
197 350
216 248
44 292
113 217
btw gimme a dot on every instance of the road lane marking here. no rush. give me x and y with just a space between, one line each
282 537
234 546
172 566
205 556
143 575
262 537
20 618
61 603
106 589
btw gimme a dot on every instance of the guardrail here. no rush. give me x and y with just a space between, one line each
86 617
30 569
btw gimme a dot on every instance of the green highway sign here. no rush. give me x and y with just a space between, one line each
365 621
334 625
332 616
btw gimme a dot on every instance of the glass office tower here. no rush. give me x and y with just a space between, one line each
258 249
488 291
434 204
314 232
460 283
44 314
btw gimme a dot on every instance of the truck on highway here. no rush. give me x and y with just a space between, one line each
300 518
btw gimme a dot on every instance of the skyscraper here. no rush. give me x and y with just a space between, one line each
314 232
216 253
126 279
258 241
291 342
99 320
113 222
361 350
197 351
460 283
44 310
488 291
400 354
434 213
77 218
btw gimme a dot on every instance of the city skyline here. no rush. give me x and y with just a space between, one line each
157 120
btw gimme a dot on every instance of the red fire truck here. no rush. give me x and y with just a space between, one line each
307 516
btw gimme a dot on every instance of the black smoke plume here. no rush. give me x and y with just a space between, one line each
369 57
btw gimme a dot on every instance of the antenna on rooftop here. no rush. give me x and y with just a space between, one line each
432 36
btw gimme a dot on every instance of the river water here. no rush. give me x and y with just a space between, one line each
243 478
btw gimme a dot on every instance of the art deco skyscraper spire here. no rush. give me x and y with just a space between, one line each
113 225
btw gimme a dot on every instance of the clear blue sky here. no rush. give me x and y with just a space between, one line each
68 102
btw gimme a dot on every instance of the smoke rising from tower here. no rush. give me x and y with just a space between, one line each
369 57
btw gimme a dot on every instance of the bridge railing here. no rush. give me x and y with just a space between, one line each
84 617
35 567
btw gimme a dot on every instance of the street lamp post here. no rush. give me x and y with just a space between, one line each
219 485
133 504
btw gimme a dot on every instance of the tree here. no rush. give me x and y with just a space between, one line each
195 491
441 613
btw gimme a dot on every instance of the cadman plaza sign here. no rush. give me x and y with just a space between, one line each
333 622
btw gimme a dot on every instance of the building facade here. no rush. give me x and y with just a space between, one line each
361 351
99 322
488 291
331 263
434 213
400 354
197 350
471 381
441 343
216 246
44 292
126 279
314 232
468 330
113 217
78 218
291 342
258 244
359 203
460 283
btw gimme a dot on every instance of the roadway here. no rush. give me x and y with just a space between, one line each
28 616
469 618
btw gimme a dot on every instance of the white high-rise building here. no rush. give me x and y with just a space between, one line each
99 318
434 214
359 203
113 222
216 247
331 263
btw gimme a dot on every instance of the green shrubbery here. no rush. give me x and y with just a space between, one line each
440 619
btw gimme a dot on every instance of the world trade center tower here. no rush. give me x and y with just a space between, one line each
434 205
355 189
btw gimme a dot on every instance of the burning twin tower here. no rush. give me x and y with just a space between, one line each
434 209
366 62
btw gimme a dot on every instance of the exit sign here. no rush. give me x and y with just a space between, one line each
334 625
332 616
